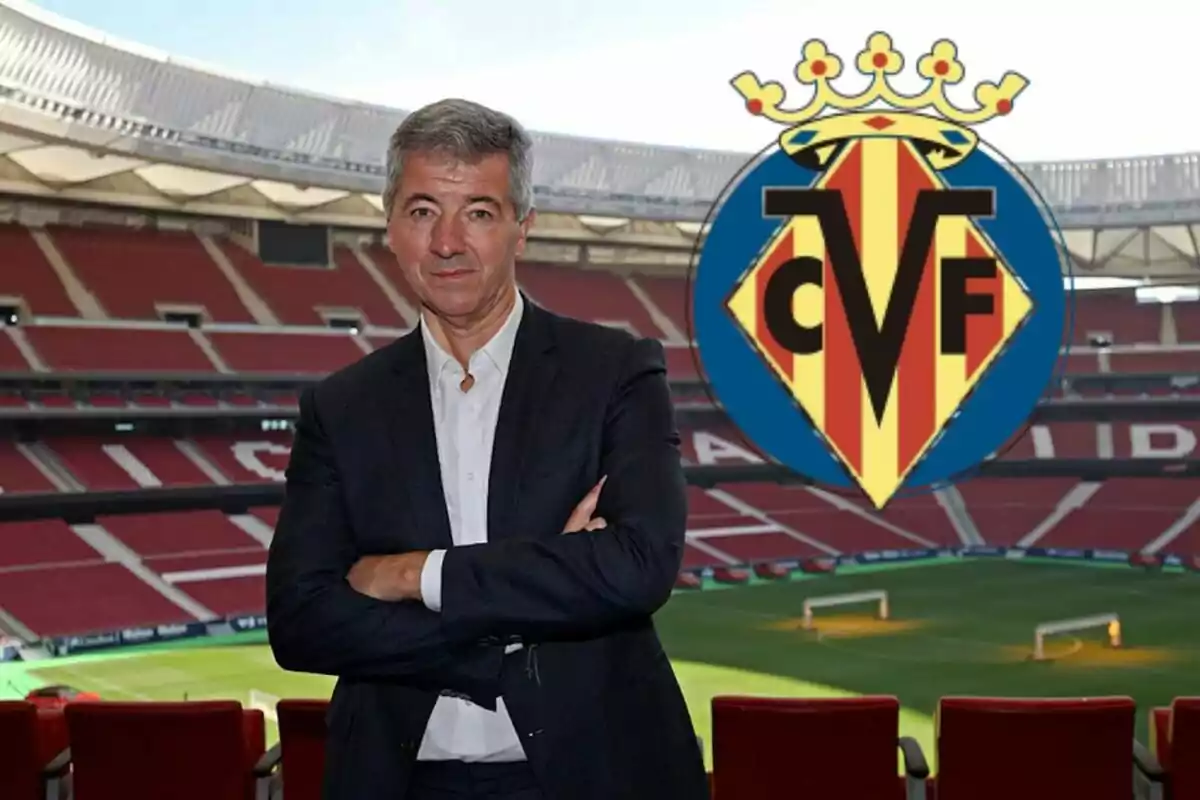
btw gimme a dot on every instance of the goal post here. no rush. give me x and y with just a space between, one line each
265 703
878 597
1110 622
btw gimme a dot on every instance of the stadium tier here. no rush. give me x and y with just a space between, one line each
118 300
204 565
107 299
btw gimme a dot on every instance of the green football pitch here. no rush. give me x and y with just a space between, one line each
955 627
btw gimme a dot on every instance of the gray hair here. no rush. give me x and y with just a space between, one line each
465 131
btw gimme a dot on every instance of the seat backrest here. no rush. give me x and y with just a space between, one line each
1185 749
1160 735
1000 748
52 735
302 731
20 764
801 747
186 751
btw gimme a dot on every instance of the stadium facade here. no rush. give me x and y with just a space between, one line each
83 117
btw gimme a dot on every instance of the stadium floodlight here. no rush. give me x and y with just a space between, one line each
1110 622
851 598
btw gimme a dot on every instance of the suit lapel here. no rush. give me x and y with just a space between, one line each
529 385
408 411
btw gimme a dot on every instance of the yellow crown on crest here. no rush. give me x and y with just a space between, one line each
947 141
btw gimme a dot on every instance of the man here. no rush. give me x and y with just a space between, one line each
482 517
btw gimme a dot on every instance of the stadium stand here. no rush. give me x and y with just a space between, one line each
298 295
29 277
142 274
729 525
181 567
144 293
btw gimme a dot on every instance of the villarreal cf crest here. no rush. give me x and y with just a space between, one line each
879 301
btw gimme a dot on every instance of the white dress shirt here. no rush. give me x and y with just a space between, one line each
466 427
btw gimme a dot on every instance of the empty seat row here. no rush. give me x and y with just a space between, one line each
987 748
763 748
133 274
127 274
162 348
59 346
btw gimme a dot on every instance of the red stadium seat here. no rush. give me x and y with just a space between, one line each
829 748
28 275
200 750
117 349
285 351
991 748
33 751
595 295
1175 740
1121 316
1160 734
62 599
671 297
300 753
298 294
132 273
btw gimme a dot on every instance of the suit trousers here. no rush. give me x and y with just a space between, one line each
458 780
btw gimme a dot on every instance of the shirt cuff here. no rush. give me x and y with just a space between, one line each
431 580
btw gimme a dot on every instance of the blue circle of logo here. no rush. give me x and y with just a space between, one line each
763 408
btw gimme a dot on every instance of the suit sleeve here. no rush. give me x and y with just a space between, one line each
318 623
574 584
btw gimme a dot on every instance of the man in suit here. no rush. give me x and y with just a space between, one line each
482 517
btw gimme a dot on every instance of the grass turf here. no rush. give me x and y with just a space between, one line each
959 628
965 627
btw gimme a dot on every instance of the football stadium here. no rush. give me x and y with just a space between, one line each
181 253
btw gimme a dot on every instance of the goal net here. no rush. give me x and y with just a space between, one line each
877 598
1109 623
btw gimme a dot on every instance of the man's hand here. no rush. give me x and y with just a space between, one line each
395 577
398 577
581 518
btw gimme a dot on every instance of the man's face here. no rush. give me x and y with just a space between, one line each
455 234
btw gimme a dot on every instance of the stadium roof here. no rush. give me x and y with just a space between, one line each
86 117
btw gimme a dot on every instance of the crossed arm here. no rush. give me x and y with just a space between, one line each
567 586
531 587
318 623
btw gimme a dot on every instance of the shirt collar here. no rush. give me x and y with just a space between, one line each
498 349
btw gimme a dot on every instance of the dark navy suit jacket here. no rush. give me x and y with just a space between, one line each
592 695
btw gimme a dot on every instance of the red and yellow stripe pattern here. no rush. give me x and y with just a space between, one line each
879 179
